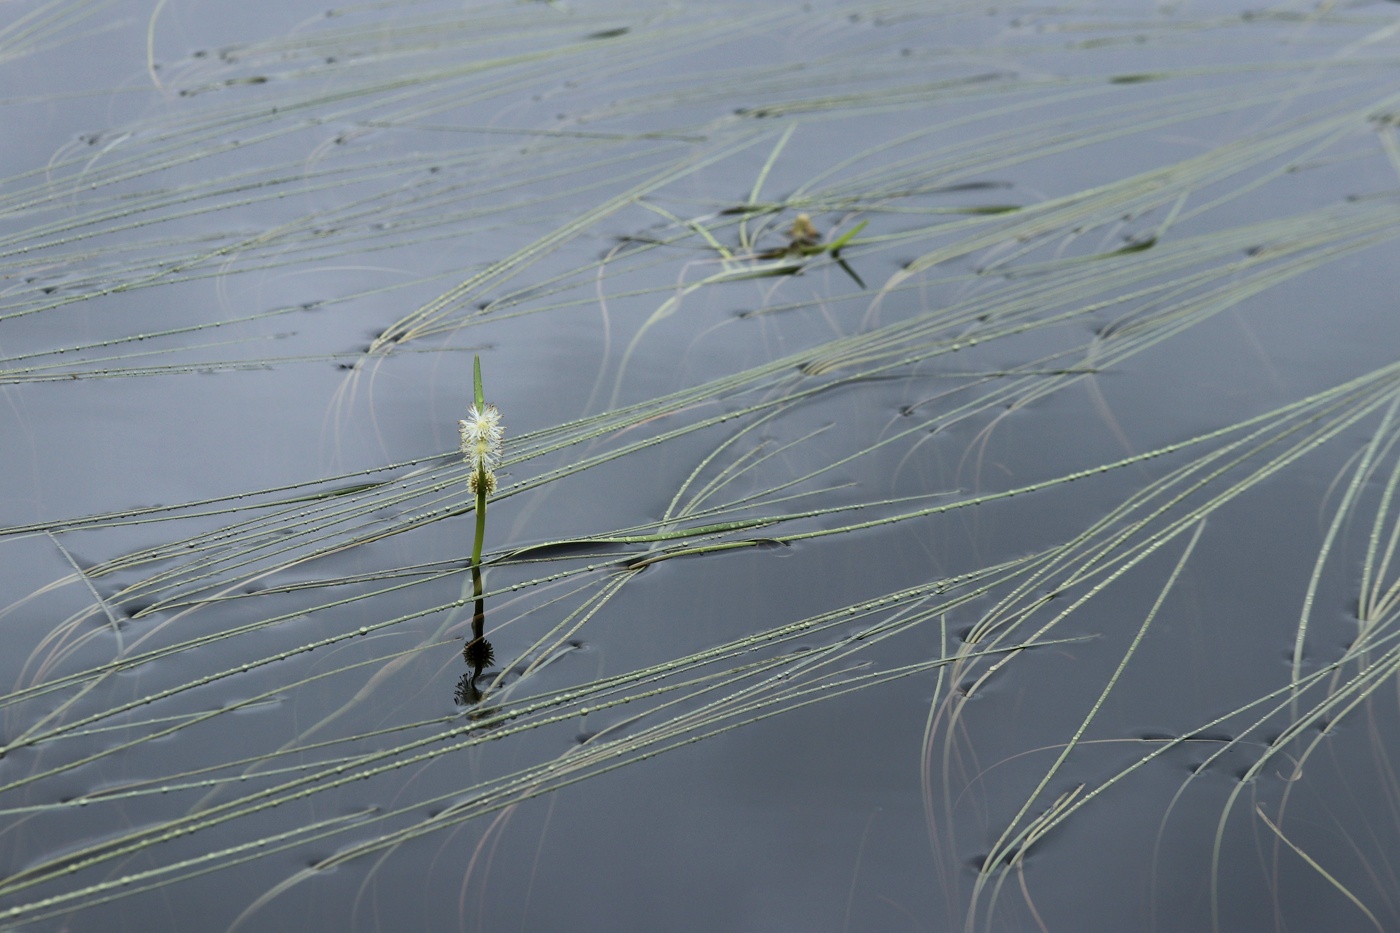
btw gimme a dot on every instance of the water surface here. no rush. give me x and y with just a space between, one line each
1026 562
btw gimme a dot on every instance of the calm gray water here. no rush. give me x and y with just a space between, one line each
949 580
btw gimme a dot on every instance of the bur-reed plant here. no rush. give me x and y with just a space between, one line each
481 434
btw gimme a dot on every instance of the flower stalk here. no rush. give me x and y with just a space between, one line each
481 434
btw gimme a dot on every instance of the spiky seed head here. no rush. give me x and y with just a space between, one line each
474 481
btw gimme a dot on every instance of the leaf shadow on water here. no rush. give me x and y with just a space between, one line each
964 442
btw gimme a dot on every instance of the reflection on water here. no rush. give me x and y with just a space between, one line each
477 652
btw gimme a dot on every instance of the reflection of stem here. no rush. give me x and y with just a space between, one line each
477 651
472 652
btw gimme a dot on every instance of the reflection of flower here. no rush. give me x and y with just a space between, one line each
479 654
481 443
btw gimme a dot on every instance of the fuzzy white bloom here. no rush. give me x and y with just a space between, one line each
481 445
481 438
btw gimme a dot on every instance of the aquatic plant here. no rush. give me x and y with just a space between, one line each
481 433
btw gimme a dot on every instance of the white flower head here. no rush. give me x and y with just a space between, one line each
481 441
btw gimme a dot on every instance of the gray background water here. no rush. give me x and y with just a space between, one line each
277 185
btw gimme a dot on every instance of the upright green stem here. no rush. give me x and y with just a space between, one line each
480 526
480 398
